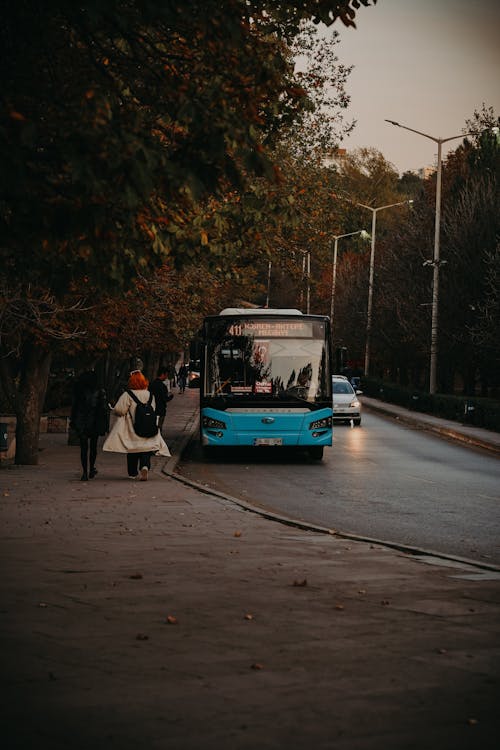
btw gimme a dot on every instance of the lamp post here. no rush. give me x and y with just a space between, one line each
336 238
306 273
436 262
269 269
372 269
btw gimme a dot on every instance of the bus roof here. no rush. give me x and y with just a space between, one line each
258 311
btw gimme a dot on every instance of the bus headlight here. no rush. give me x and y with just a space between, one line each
321 423
214 424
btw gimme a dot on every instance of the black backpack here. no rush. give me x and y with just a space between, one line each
145 420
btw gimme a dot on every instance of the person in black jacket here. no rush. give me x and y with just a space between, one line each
182 377
89 419
159 388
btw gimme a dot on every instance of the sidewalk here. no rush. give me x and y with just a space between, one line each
140 615
457 431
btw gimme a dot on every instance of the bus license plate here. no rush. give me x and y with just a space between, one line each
268 441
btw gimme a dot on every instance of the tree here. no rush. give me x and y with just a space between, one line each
363 176
118 118
468 310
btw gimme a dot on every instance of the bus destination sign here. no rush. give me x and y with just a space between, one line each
272 328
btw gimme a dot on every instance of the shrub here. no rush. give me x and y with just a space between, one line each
480 412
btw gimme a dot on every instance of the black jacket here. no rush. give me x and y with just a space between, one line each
89 413
160 391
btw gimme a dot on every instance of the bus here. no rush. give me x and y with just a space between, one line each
266 380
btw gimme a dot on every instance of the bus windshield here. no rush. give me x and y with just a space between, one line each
255 358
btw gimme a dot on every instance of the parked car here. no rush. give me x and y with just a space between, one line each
346 405
194 374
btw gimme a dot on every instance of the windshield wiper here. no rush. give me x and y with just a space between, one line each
294 392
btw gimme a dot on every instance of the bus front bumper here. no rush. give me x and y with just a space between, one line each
304 429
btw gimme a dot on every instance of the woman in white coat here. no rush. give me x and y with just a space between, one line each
122 437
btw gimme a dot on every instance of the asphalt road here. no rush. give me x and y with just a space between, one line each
383 480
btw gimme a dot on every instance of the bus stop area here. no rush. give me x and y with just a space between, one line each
160 614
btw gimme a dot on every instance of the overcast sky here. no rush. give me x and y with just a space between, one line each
427 64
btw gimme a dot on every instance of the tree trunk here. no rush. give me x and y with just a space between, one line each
34 375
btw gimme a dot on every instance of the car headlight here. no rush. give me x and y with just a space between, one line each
319 423
215 424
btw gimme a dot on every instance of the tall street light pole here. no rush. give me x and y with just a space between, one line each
372 270
436 262
336 239
306 274
269 269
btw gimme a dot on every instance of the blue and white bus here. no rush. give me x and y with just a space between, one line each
266 380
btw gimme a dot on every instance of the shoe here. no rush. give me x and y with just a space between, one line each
144 474
133 476
92 472
84 477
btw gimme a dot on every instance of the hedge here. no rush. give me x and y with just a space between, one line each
477 411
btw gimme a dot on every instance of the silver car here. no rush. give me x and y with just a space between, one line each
346 405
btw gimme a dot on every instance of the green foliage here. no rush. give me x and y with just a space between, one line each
116 112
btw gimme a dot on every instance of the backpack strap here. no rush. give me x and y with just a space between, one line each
138 401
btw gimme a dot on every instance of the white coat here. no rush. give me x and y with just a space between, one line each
122 437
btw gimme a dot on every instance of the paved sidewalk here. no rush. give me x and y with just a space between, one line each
446 428
139 615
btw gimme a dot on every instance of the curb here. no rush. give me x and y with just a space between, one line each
170 464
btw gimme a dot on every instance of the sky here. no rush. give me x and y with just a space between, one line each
427 64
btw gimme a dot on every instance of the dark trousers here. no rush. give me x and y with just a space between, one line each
136 461
87 443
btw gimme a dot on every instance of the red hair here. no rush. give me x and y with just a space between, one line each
137 382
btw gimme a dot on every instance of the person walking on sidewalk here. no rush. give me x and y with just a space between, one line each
159 388
89 419
123 438
182 377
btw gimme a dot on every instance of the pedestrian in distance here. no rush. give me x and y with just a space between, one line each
182 377
123 437
89 419
159 388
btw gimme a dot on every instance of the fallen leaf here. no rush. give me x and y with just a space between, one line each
248 616
339 606
300 583
257 666
136 576
385 602
171 620
142 637
362 591
237 533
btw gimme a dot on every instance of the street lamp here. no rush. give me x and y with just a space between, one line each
436 262
336 238
269 269
306 273
372 269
